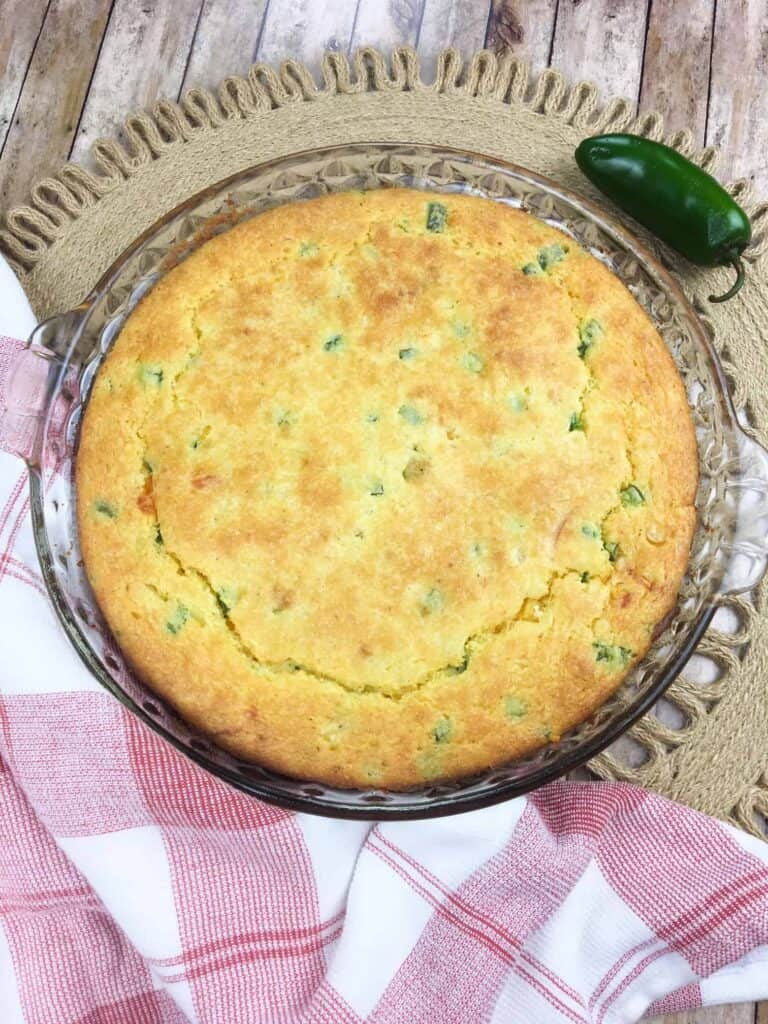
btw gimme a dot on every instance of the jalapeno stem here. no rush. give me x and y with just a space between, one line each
735 261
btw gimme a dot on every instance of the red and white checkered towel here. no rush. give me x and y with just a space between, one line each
135 889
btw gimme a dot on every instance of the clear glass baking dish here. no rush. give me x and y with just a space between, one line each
52 380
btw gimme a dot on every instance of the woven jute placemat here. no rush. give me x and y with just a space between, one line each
78 222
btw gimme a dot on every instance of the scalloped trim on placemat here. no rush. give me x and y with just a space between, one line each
56 201
715 756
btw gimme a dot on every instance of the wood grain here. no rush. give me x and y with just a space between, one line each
523 26
459 23
143 56
19 28
602 41
306 28
740 1013
50 49
385 23
56 84
676 64
225 41
738 104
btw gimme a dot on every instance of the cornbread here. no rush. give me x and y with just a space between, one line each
386 487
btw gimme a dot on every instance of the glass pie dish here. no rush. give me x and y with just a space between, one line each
52 381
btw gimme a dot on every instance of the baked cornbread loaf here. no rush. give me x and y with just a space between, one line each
386 487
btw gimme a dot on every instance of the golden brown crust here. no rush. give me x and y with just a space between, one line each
370 503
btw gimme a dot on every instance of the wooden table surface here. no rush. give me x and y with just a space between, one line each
70 70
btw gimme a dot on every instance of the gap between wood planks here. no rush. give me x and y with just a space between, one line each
52 90
17 43
651 52
68 80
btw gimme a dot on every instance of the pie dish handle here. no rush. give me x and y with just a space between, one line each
32 384
746 500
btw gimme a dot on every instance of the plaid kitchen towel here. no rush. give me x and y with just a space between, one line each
136 888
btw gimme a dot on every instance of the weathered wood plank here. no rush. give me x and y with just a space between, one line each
162 46
225 41
305 29
738 106
19 28
387 23
676 64
459 23
143 57
739 1013
44 125
601 41
525 27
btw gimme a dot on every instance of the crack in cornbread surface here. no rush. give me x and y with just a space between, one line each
385 487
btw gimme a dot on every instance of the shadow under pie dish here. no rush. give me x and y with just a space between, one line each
391 487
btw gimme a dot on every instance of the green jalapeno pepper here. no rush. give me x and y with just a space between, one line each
676 200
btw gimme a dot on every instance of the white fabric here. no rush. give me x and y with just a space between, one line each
389 881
